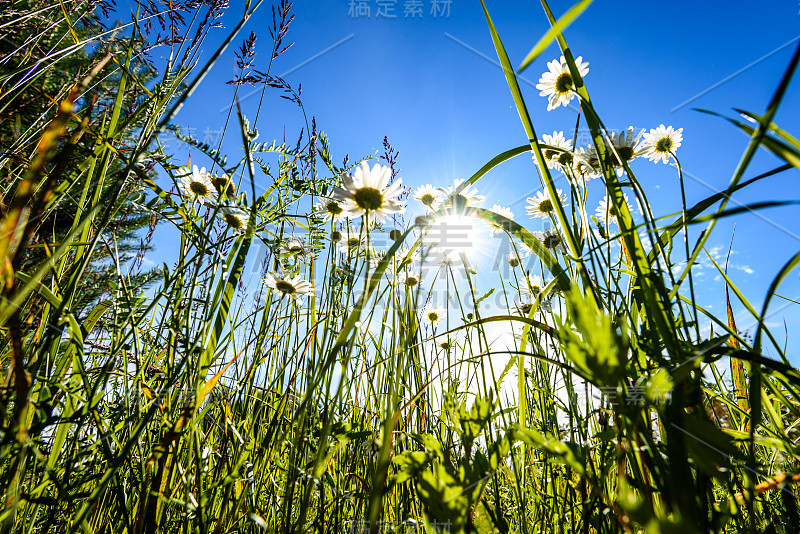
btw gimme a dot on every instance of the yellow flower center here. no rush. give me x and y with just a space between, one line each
664 145
285 287
460 202
368 198
198 188
625 152
233 221
220 182
427 199
563 83
546 206
333 208
551 241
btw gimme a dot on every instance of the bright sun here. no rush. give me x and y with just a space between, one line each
457 235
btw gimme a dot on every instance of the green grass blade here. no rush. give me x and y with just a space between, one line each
562 24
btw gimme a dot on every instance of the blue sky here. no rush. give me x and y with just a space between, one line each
432 86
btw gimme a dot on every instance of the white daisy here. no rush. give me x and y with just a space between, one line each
432 314
661 142
369 191
463 199
294 287
296 248
401 257
586 163
524 250
409 278
541 205
606 212
235 218
375 257
196 185
532 286
626 145
530 290
446 342
222 182
352 242
557 84
429 196
497 227
524 308
513 260
330 210
551 239
446 258
557 158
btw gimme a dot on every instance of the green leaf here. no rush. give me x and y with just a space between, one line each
709 447
659 386
565 454
563 23
592 341
513 228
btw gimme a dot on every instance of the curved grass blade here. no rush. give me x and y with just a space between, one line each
670 230
563 23
527 123
530 241
746 304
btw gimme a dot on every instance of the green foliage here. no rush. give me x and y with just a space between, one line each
228 398
592 341
450 485
31 98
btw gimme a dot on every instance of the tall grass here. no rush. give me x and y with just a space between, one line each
214 402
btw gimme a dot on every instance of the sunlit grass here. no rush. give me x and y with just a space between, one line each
318 359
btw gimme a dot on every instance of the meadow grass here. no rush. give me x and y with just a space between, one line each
271 382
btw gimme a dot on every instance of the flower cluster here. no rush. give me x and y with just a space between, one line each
532 293
369 193
201 187
620 148
558 85
584 163
465 196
